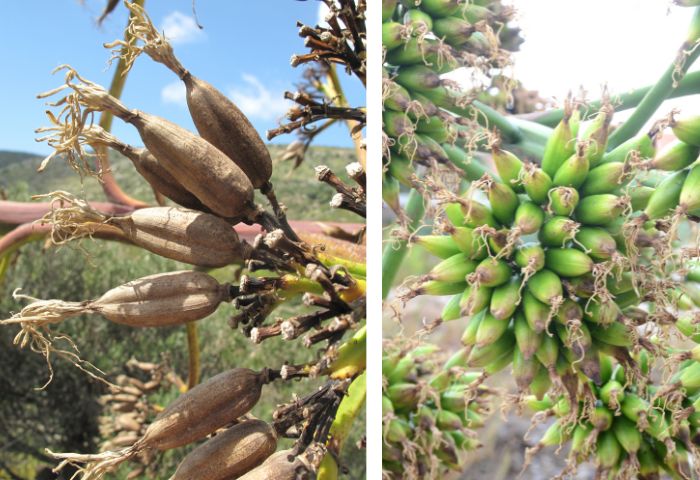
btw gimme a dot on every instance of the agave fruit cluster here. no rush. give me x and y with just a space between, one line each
628 430
563 265
429 417
427 119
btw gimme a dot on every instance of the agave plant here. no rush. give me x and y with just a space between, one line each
211 176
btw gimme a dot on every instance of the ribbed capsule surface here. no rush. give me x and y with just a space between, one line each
220 122
184 235
200 167
163 299
278 467
160 179
204 409
229 454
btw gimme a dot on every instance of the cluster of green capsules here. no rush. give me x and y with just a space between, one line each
628 430
559 264
424 40
430 410
562 253
550 262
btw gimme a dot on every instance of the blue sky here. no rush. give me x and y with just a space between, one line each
244 51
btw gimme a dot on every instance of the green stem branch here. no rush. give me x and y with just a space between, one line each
662 89
395 252
193 355
690 85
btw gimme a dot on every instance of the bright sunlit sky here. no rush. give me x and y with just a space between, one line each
245 47
624 43
244 51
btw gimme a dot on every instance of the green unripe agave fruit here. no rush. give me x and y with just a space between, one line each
393 35
536 313
475 298
524 370
600 209
530 256
561 144
508 166
418 20
451 310
503 201
599 244
546 287
441 246
396 97
666 196
639 196
440 8
455 31
675 156
388 9
528 218
557 231
568 262
606 178
482 356
689 200
608 450
505 299
491 272
527 339
563 200
596 135
418 77
476 214
414 51
687 130
573 172
642 146
490 330
536 183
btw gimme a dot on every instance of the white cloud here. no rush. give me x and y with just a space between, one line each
180 28
257 101
322 12
174 93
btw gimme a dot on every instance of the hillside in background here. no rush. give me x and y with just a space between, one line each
304 196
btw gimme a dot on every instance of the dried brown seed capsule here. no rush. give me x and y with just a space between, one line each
146 164
187 236
221 123
200 167
191 417
278 467
204 170
229 454
159 300
218 120
207 407
163 299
